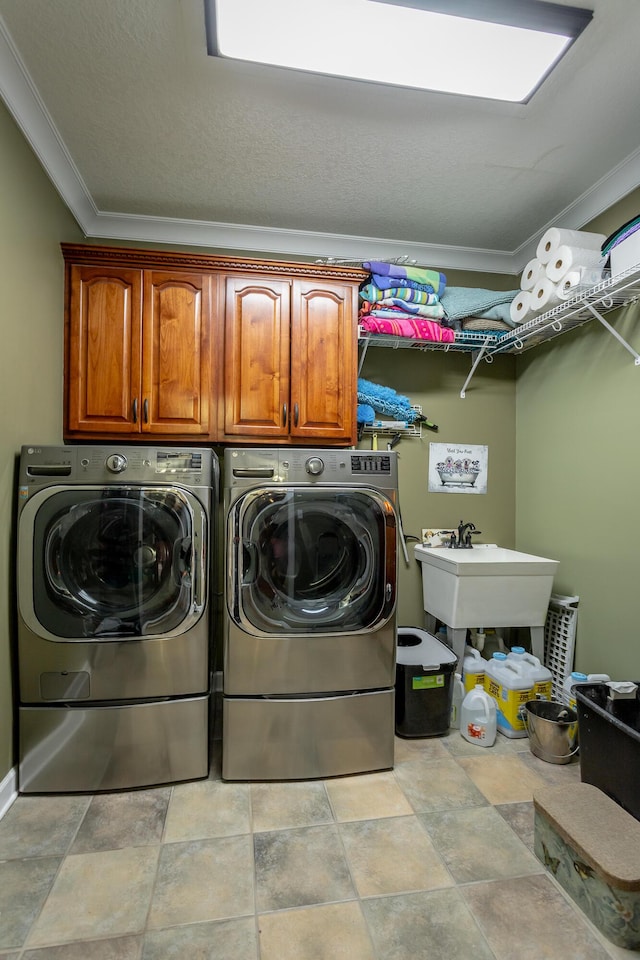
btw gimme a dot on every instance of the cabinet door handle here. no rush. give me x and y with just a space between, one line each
284 414
145 408
295 414
135 410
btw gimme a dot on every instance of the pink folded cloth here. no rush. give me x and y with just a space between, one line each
411 327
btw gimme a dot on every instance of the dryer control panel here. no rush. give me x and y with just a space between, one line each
256 467
379 463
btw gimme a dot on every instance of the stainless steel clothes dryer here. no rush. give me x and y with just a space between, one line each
114 626
310 632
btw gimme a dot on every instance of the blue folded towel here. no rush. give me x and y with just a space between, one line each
419 274
461 302
388 283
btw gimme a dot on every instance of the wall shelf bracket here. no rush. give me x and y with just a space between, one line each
615 333
477 358
363 352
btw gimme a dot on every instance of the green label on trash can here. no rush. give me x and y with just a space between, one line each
426 683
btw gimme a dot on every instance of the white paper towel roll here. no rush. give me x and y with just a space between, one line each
577 280
520 307
544 296
532 273
555 237
567 258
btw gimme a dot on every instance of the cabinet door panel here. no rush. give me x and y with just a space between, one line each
257 357
323 360
176 353
105 312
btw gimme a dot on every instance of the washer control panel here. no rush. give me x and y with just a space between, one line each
128 464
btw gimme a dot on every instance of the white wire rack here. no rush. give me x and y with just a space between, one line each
388 430
466 341
587 304
559 639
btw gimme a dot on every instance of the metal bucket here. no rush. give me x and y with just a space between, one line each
552 729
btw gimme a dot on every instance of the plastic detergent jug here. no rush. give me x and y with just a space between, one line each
473 668
542 676
576 677
478 718
457 697
510 683
568 696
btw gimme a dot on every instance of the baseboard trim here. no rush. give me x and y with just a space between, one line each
8 791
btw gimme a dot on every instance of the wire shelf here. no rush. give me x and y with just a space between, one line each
605 296
588 303
412 430
462 341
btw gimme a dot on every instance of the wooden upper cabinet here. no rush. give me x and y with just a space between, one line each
176 365
138 355
256 369
103 369
188 347
290 359
323 360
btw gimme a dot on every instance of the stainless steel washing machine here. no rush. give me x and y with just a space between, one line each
114 625
310 632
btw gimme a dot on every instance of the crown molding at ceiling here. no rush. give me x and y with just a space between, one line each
26 106
299 243
23 101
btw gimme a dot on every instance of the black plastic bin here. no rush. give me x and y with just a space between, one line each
609 734
424 688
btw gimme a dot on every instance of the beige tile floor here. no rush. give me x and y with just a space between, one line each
430 861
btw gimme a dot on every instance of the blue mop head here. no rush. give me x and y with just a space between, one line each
385 400
365 413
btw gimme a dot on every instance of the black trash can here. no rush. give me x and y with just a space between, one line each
424 689
610 744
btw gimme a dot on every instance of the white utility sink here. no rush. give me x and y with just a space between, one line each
485 586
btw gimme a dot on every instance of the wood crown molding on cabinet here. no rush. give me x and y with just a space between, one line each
162 259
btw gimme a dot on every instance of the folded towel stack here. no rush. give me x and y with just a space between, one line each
565 260
415 302
404 301
479 309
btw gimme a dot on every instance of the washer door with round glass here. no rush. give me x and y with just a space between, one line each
112 562
318 561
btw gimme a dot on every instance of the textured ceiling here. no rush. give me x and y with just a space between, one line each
147 137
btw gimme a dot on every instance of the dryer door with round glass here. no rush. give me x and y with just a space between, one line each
311 587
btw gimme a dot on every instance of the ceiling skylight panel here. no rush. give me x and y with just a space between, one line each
403 43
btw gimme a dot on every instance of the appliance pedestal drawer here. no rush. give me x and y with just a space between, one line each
278 738
112 747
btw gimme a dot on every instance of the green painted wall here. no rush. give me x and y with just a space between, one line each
577 471
33 221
